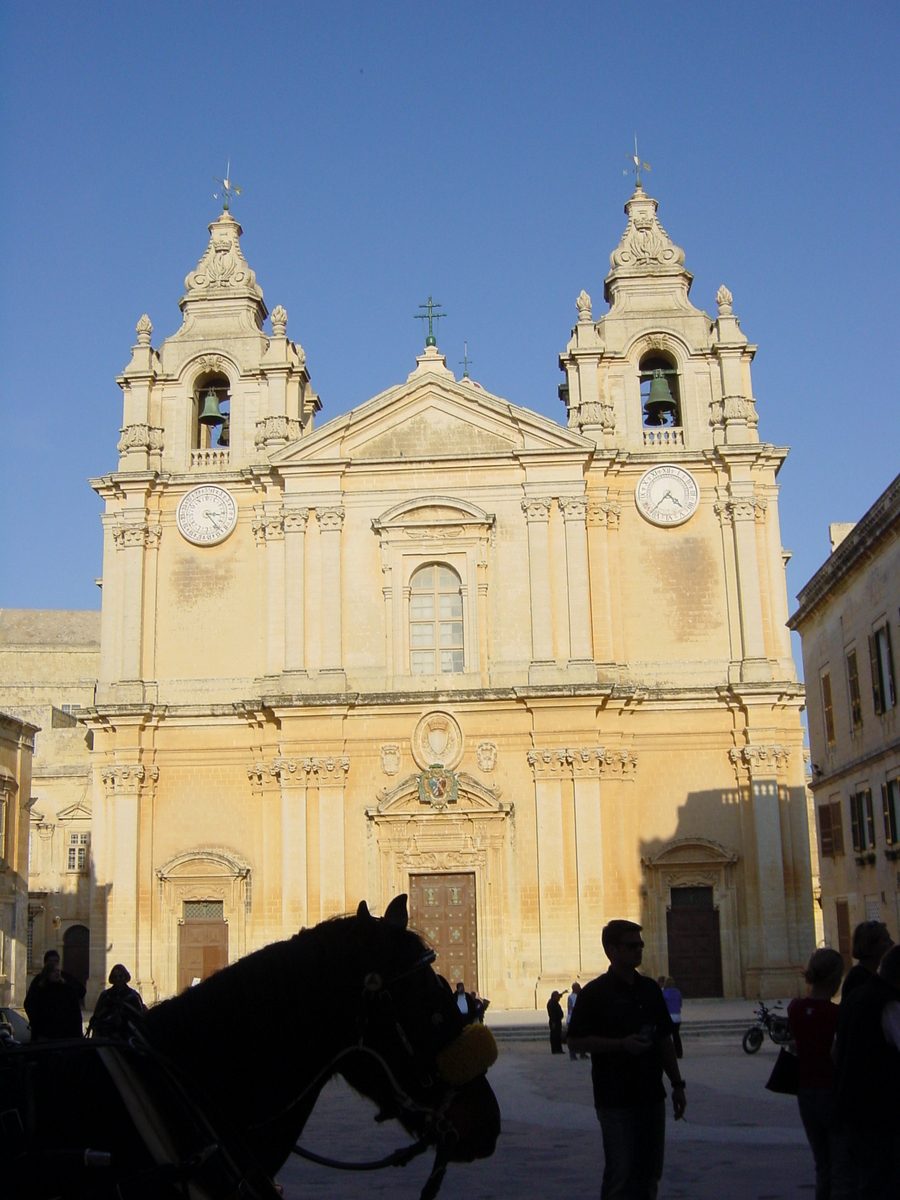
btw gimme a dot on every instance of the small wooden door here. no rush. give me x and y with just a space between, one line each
202 942
442 907
695 948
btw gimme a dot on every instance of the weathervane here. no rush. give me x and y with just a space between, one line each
637 164
430 317
229 189
465 360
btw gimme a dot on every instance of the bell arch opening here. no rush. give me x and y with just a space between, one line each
660 392
211 411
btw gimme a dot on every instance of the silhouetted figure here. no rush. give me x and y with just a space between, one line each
813 1022
570 1004
116 1006
53 1005
555 1013
867 1079
672 997
871 941
622 1020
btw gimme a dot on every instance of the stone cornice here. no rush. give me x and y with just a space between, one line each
880 522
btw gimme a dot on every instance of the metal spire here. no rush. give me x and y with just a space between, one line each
637 164
431 316
465 360
228 189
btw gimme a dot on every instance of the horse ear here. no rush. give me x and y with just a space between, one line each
395 913
363 911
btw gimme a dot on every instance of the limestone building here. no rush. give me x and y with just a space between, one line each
846 616
536 675
16 750
48 672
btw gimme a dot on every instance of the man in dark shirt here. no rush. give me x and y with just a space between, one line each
622 1020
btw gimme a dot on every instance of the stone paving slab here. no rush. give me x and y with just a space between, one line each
738 1140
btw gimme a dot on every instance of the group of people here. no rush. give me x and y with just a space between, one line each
470 1004
54 998
849 1067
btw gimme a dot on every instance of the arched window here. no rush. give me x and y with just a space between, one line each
212 404
435 622
660 399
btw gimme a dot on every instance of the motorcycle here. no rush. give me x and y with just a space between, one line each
767 1021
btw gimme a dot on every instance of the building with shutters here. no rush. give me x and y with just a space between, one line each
847 619
537 675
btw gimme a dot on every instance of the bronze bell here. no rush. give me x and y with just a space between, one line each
224 433
210 414
660 408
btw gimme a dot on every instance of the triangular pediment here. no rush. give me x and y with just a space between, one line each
433 417
75 812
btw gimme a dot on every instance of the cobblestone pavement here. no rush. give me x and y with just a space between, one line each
738 1139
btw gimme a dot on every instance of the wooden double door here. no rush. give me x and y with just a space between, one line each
202 942
695 947
442 907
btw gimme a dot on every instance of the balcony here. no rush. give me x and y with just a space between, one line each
210 460
667 436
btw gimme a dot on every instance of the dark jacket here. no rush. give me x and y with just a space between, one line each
53 1009
867 1066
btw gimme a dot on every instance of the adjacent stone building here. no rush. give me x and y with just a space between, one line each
536 675
48 672
16 750
847 619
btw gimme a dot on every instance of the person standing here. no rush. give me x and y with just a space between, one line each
52 1005
867 1079
871 941
622 1021
672 997
116 1005
813 1023
570 1004
555 1014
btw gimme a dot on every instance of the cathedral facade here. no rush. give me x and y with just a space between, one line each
535 675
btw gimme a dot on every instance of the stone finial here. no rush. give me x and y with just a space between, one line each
723 299
583 304
144 330
279 321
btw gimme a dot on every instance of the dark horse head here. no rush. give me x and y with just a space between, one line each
355 996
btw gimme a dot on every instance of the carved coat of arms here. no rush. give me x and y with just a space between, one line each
438 787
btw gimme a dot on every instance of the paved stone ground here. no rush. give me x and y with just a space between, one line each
738 1139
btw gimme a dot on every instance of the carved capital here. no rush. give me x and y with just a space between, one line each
760 504
330 518
550 764
604 512
760 760
331 769
295 520
722 509
136 533
127 778
267 527
573 508
141 437
537 508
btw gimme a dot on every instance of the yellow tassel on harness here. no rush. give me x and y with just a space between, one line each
469 1056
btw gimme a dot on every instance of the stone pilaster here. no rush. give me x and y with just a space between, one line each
755 666
331 775
537 514
293 778
331 521
574 511
295 522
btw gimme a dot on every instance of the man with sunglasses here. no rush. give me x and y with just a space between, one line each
622 1021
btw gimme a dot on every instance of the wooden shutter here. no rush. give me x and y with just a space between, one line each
890 821
845 938
855 697
866 799
854 822
891 698
828 708
825 835
876 682
837 828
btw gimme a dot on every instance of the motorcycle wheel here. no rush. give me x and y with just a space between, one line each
753 1039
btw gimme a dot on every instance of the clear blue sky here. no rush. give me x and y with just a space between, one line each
471 151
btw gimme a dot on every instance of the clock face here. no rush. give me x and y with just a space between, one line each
206 515
667 495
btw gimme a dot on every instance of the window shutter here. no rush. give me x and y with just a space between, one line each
854 823
825 831
837 828
892 693
876 687
870 819
845 939
888 821
828 708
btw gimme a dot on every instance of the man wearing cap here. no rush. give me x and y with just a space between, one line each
622 1021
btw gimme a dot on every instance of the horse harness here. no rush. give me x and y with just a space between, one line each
440 1129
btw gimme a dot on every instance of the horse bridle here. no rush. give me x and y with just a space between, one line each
440 1130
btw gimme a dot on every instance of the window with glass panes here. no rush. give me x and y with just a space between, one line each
78 845
435 622
890 797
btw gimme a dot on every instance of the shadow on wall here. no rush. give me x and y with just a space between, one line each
716 909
